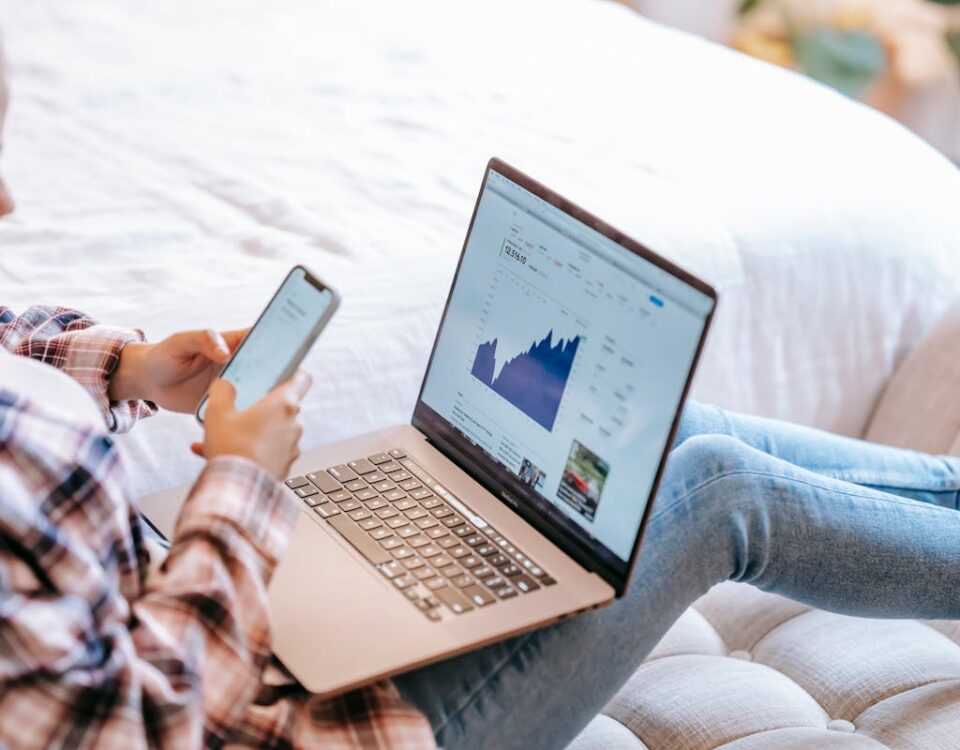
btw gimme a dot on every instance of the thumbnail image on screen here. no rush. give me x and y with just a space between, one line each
584 475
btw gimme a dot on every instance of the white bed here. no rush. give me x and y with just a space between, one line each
172 160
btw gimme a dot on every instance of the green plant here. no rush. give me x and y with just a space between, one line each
849 60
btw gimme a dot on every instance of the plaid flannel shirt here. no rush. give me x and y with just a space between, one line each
97 650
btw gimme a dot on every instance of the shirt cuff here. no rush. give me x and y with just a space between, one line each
91 358
234 490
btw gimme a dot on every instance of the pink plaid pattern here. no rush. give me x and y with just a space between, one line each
96 650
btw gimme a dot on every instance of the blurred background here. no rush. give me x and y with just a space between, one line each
900 56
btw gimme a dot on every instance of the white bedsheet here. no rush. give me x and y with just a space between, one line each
172 160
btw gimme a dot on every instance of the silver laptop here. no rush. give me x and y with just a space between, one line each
518 494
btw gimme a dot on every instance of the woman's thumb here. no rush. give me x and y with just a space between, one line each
222 394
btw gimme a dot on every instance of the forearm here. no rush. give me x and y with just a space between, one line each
90 354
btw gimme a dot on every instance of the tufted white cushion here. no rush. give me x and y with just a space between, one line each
746 670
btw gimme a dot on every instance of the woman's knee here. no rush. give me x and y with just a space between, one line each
704 457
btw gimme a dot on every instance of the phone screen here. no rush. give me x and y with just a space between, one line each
278 340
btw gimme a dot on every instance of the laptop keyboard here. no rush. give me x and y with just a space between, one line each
436 551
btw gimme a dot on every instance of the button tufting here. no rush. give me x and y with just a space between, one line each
741 655
841 725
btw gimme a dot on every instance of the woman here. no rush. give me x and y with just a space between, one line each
98 648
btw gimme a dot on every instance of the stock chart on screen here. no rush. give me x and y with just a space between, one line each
533 380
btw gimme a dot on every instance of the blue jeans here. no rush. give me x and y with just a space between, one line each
834 522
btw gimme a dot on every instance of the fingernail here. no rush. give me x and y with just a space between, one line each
220 341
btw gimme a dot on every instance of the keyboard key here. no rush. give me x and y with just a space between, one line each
396 523
433 615
412 563
422 605
510 570
403 503
505 592
349 505
442 561
420 494
437 532
464 531
326 511
499 561
387 512
471 561
381 533
431 502
452 521
339 496
442 512
421 574
391 543
484 571
448 541
380 458
411 593
359 539
294 482
451 571
401 476
360 514
427 523
390 467
434 583
410 484
383 486
375 477
342 473
370 524
404 581
362 466
366 494
307 491
324 481
376 504
535 571
475 540
457 604
356 485
418 541
462 580
315 500
398 453
479 596
414 513
496 582
392 569
408 531
525 584
486 550
459 551
547 581
430 550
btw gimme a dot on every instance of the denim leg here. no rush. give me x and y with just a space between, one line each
726 511
920 476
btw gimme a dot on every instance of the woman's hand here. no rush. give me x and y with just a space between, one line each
268 433
176 372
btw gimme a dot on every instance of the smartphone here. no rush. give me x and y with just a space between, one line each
280 339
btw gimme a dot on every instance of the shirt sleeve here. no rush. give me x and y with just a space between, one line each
100 659
72 342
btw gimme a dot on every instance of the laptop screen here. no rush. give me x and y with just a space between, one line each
560 365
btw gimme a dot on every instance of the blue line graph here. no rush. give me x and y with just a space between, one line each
534 380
